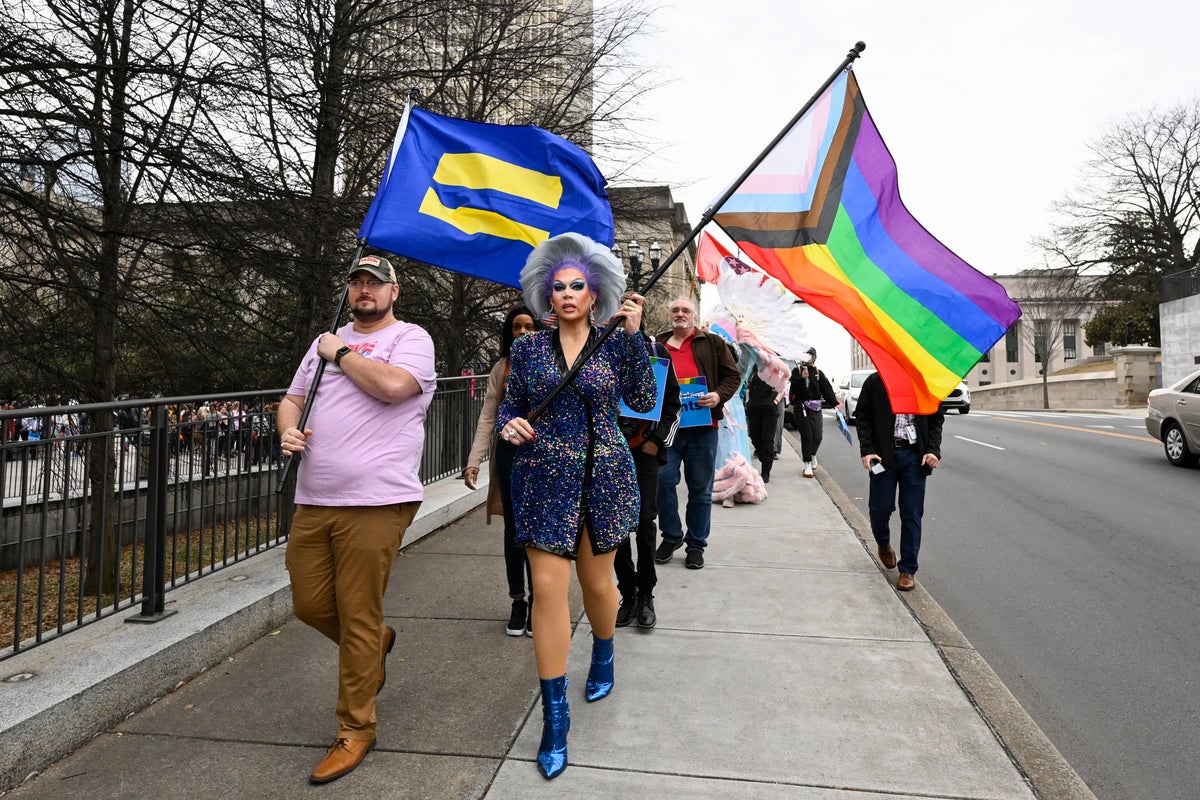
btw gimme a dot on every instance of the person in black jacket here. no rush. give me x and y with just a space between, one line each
762 418
648 443
900 451
810 393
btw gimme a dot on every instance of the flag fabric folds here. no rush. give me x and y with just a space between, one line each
477 198
710 254
822 213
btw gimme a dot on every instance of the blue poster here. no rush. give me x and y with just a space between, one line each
660 367
694 415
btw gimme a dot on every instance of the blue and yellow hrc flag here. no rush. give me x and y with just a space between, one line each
477 198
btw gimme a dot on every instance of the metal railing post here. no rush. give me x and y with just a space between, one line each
154 563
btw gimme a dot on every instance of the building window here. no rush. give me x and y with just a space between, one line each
1069 339
1099 350
1012 352
1040 327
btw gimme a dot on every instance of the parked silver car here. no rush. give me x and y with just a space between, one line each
1173 417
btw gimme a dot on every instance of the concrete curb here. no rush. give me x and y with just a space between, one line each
83 684
88 681
1050 775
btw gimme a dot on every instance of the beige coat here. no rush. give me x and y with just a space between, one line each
485 434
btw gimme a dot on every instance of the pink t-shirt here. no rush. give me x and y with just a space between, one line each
364 451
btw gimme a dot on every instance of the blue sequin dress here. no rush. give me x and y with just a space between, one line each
578 470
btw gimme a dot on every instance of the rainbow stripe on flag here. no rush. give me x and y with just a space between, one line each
822 213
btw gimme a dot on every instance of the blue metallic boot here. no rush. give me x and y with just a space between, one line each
556 721
600 676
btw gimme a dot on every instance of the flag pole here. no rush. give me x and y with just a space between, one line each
705 218
341 310
321 364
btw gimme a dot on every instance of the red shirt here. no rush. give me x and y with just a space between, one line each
682 360
684 363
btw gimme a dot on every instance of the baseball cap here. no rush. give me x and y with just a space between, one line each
379 267
812 351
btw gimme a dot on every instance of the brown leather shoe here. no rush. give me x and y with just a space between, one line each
906 582
391 632
343 756
887 556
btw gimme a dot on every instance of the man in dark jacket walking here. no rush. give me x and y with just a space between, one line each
900 451
762 418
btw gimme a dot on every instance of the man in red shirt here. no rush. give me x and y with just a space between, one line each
694 353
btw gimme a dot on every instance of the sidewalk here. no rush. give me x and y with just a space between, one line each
787 668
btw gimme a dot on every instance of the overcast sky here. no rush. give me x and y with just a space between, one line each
987 107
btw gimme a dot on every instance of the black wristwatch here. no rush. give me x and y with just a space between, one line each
337 357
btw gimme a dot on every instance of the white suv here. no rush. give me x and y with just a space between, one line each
848 389
960 398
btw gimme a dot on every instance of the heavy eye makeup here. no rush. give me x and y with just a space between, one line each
576 286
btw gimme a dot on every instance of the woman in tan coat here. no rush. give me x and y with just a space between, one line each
517 322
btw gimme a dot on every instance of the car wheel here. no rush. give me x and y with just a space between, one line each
964 409
1176 447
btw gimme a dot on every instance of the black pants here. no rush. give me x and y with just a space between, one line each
516 563
641 580
762 422
811 433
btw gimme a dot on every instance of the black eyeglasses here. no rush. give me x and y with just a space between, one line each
373 285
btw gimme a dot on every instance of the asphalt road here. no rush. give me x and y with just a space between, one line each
1067 550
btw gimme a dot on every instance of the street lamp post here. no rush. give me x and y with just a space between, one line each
635 265
634 254
655 256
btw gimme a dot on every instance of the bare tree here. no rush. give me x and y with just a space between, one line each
101 114
1053 302
1134 217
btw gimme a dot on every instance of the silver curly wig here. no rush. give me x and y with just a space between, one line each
601 269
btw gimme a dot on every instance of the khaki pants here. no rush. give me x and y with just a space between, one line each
339 559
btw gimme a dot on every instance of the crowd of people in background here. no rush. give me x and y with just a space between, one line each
214 430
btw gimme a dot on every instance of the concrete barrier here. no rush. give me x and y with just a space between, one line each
1096 390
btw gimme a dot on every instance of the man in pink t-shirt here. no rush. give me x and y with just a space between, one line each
357 491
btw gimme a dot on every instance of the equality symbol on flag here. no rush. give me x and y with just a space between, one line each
481 172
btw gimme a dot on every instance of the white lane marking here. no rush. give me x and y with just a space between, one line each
1110 427
985 444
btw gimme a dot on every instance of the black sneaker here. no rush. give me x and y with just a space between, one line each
666 551
646 618
694 559
529 619
627 610
516 619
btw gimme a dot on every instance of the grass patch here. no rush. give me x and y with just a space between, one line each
205 549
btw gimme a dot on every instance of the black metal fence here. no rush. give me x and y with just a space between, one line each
1179 285
109 505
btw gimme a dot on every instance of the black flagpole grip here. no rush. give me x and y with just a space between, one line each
288 461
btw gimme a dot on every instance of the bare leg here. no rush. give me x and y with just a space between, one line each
600 594
551 576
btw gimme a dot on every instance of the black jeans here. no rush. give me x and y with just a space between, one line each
642 579
516 564
811 433
762 422
906 478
